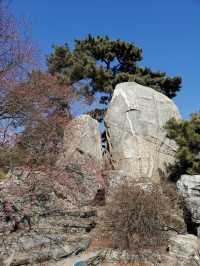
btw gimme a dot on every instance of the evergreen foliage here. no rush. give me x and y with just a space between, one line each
98 64
186 133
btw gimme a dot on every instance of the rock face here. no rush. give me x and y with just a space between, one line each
81 140
55 236
81 155
134 125
189 187
183 250
44 225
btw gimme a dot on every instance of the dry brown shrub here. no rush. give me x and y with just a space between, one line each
135 217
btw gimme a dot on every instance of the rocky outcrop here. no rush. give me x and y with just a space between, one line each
189 188
82 141
39 227
47 215
134 124
51 216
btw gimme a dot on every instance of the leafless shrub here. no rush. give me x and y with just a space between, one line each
16 48
135 217
17 59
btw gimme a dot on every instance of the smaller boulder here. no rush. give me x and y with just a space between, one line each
82 141
183 250
189 188
81 157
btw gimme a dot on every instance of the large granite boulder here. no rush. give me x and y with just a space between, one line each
134 124
189 188
82 141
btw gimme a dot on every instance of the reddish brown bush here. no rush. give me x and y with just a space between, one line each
37 110
17 58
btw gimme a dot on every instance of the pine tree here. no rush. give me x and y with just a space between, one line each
98 64
186 133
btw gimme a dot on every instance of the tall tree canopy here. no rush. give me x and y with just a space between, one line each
99 63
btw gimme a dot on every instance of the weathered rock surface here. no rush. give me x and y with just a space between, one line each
183 250
81 155
82 141
134 124
189 188
45 217
71 187
54 235
49 250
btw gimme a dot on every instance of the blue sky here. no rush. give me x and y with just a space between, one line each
167 31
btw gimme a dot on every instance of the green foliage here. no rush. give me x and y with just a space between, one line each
186 133
99 63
